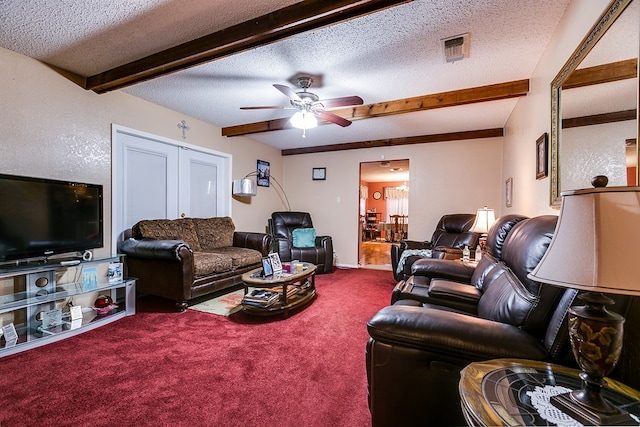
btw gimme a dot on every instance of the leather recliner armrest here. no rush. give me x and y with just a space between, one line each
454 334
414 244
445 252
156 249
326 242
443 268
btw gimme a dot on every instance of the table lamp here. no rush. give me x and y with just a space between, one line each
590 252
484 220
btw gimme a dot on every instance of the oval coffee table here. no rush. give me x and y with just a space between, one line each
294 290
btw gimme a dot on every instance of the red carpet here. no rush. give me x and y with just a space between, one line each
164 368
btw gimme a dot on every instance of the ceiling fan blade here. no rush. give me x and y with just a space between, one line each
341 102
267 107
333 118
288 92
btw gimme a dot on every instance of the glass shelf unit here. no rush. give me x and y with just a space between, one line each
36 291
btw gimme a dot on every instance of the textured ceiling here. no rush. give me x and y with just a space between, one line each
389 55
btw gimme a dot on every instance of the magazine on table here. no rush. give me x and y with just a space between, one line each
263 297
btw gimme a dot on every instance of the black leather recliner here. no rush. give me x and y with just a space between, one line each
449 238
281 226
451 278
417 349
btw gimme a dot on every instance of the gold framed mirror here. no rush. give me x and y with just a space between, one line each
594 105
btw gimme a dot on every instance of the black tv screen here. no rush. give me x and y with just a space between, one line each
42 217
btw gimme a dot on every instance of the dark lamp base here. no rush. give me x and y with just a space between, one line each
587 416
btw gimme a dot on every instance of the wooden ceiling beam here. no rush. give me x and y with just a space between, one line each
266 29
401 106
605 73
422 139
599 119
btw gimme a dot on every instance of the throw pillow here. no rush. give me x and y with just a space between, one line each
304 237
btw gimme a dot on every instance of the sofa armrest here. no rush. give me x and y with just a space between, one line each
156 249
258 241
443 268
454 334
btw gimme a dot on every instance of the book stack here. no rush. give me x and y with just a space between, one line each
261 297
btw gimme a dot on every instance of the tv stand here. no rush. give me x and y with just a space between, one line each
39 287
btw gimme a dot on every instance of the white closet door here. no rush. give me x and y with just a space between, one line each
154 177
198 188
149 180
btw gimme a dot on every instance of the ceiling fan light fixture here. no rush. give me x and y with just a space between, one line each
304 120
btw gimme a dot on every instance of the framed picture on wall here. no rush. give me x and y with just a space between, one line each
264 172
542 159
319 174
508 187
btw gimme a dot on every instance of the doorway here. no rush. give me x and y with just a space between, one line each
383 211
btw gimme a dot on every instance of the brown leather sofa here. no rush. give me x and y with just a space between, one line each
449 238
186 258
459 315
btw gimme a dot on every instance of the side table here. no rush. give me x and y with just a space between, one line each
514 392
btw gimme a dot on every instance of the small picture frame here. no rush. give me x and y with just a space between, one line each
267 269
542 159
114 272
276 264
264 173
508 187
319 174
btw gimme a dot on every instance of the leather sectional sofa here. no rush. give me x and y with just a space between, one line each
447 315
186 258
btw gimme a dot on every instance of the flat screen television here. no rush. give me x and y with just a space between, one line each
42 217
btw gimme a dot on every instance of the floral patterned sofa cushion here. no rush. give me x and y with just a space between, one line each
167 229
214 233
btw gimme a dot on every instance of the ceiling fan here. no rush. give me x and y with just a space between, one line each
310 106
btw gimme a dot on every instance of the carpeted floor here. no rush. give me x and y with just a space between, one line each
164 368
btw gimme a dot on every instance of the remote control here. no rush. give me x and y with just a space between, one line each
68 263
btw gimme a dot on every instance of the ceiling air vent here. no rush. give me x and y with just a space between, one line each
456 48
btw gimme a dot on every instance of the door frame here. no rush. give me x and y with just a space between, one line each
117 184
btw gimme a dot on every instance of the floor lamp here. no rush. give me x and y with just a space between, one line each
590 252
246 187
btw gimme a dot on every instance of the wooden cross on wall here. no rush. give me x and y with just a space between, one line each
183 126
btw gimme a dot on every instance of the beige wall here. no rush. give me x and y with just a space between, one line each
444 178
532 115
50 127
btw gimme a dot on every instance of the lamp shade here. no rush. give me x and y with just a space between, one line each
484 220
304 120
593 247
244 187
